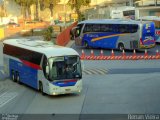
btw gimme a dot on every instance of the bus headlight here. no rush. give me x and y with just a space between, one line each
54 88
54 93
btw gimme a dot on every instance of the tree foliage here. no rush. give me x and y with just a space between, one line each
25 6
77 4
48 4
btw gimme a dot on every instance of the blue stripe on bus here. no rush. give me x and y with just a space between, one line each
65 83
27 74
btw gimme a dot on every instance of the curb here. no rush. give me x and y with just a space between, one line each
70 43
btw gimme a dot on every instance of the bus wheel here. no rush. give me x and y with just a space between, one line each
86 44
121 46
41 88
13 76
18 78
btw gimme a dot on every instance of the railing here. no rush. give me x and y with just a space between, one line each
64 37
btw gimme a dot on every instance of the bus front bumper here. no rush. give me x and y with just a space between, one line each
56 90
147 46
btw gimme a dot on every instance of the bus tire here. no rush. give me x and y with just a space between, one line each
86 44
18 78
13 76
121 46
41 88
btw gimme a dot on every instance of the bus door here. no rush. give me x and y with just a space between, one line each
79 35
148 35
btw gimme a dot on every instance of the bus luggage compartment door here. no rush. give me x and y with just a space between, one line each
134 44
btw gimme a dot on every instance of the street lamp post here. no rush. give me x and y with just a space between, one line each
64 14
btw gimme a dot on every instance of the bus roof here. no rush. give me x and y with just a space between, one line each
44 47
154 18
112 21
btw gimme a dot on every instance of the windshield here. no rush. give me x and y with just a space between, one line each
65 67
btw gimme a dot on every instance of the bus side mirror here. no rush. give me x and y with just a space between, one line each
47 70
82 65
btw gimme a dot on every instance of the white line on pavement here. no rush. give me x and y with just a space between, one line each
7 97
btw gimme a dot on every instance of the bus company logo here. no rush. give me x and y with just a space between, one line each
157 32
148 26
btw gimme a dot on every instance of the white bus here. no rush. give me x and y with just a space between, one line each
115 34
125 12
46 67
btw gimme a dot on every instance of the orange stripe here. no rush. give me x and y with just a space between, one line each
99 38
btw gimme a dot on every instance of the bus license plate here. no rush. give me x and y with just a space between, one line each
68 90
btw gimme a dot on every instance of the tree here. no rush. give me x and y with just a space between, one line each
48 4
25 6
77 4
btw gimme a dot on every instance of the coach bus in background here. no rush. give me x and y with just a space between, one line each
125 12
115 34
46 67
156 20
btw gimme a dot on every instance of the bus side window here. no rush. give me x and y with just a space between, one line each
88 28
44 66
104 28
134 28
96 28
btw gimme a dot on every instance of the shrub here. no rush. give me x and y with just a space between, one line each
48 33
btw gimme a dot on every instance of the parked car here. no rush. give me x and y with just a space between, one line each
13 24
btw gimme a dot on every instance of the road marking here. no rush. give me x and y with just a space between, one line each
95 71
86 72
102 71
7 97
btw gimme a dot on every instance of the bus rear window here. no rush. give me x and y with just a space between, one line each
148 29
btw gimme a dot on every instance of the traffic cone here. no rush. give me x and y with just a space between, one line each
134 54
157 54
112 55
123 55
92 55
102 53
83 55
146 54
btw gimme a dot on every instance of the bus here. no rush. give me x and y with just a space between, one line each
49 68
115 34
156 20
125 12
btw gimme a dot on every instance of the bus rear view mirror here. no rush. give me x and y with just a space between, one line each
82 65
47 70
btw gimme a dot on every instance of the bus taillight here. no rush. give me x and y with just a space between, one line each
141 43
157 32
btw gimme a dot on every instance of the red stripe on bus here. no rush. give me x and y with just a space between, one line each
32 65
66 81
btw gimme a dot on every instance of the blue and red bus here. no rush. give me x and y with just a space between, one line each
115 34
46 67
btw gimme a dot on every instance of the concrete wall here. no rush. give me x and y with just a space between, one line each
1 33
12 8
